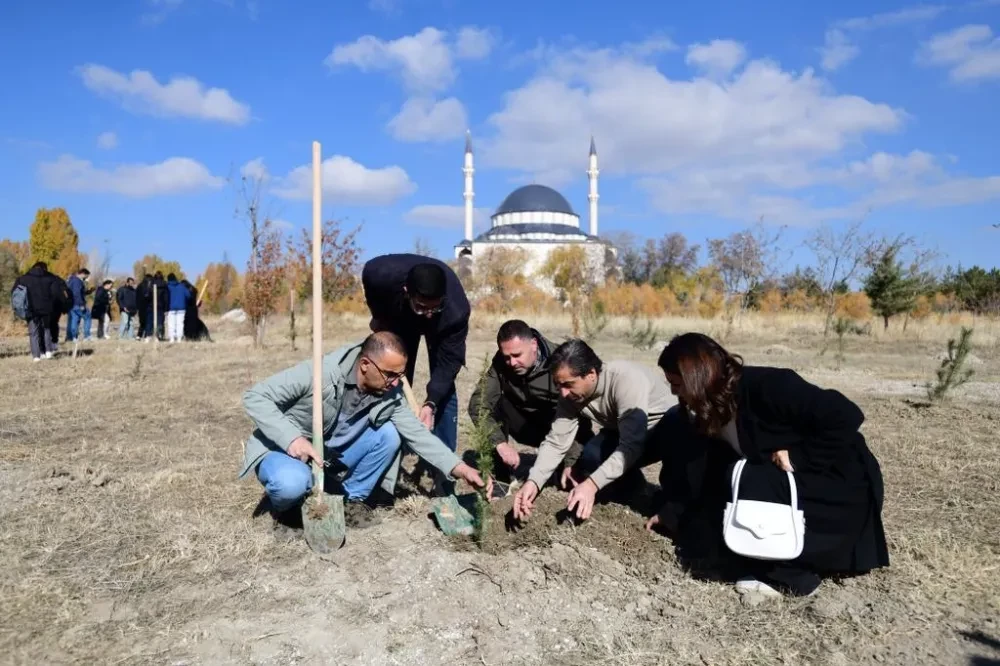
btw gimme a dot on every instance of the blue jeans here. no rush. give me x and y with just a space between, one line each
446 421
126 326
76 315
287 480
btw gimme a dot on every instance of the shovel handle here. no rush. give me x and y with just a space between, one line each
408 392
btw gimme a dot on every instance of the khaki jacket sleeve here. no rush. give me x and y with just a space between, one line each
557 443
267 401
632 398
422 441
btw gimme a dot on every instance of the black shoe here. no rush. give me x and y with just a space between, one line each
360 515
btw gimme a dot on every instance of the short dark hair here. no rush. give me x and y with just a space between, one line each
159 275
514 328
83 271
576 355
107 282
380 342
42 265
129 279
171 276
426 280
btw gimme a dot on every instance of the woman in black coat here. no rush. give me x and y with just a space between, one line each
779 422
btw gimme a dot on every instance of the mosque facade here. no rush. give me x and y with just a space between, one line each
536 219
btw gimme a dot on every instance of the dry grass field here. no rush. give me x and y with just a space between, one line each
125 537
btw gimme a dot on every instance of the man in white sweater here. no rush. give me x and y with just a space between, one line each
626 400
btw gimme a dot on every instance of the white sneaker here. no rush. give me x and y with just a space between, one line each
48 354
36 359
749 585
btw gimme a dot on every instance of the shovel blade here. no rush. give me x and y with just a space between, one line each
323 523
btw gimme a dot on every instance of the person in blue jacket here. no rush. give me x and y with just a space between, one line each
178 296
78 312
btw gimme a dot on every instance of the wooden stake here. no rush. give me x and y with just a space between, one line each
201 294
317 319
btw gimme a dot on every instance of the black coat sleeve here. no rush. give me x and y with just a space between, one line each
380 284
825 420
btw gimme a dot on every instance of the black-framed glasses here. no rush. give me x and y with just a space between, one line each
389 378
424 310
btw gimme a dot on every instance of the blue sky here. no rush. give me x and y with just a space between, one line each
707 117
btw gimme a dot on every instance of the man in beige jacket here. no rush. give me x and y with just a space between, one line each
626 400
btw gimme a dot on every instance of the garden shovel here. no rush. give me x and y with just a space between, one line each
322 514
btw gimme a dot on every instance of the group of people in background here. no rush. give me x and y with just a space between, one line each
49 297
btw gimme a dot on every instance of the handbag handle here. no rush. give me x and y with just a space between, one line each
792 489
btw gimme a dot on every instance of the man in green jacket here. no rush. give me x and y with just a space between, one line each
365 418
517 400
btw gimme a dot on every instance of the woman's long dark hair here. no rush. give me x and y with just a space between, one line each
710 376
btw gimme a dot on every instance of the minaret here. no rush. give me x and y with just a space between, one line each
592 196
468 171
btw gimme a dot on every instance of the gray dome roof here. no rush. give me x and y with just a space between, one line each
534 198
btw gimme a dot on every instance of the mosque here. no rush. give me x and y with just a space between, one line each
536 218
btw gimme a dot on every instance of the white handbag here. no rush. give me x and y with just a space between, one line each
763 530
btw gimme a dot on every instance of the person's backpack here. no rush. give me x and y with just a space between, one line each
19 302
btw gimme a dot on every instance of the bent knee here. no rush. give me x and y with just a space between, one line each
287 483
388 439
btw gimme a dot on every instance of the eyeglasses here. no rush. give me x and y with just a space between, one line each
424 310
389 378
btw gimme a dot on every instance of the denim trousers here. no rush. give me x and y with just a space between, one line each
354 470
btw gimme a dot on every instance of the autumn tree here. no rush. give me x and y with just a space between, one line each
223 291
21 252
745 259
151 263
569 270
500 272
264 281
839 258
9 271
340 262
53 239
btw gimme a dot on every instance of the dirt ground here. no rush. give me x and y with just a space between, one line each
125 537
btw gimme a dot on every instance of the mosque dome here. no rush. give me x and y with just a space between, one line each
534 199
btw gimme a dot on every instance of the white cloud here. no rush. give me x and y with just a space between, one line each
766 142
650 46
646 122
840 42
182 96
837 50
474 43
971 52
423 119
175 175
718 58
107 141
444 216
387 7
255 169
888 19
424 60
347 182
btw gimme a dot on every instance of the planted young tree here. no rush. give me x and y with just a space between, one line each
595 320
481 441
840 256
890 289
952 372
642 336
264 282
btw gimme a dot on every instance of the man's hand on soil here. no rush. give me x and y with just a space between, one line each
581 498
509 455
524 500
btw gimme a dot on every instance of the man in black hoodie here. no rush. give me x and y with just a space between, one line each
415 296
144 303
44 299
127 305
